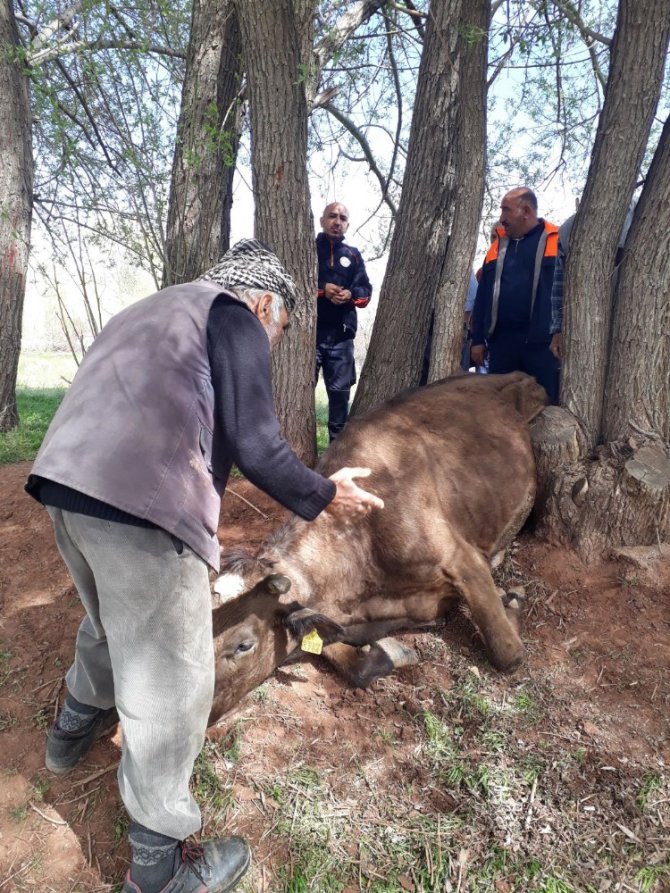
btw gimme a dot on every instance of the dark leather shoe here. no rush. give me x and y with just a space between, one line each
213 867
66 749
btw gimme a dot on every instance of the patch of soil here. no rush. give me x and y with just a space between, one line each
598 642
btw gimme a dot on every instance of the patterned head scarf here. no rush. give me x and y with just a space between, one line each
249 263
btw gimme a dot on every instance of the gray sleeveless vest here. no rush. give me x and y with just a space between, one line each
135 428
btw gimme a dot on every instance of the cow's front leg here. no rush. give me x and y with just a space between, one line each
498 624
361 666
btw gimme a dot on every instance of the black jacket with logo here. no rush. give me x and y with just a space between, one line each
342 265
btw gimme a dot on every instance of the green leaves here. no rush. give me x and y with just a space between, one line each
105 98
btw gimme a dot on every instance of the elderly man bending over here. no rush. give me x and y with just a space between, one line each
174 390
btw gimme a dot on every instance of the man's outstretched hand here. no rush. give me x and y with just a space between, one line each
350 499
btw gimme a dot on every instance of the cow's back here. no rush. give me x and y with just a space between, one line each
454 457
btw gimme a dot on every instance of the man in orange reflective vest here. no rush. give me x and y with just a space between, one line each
511 319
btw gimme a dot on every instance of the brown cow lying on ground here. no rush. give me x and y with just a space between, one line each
454 466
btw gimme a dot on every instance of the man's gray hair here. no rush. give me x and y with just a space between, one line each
250 295
250 265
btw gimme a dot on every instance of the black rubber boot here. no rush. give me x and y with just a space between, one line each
66 749
213 867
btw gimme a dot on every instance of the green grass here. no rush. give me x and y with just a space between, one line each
19 813
646 877
652 783
6 721
40 788
36 409
321 401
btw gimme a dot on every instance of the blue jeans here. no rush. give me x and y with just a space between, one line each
336 359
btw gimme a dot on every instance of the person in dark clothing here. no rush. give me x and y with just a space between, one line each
564 233
343 288
511 319
173 391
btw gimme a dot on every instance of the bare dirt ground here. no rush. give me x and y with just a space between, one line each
444 777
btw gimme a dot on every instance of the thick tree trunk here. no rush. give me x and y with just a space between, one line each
637 397
210 121
274 41
618 494
16 197
619 498
201 194
470 165
623 130
419 243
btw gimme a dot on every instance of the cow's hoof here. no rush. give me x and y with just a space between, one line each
400 655
514 598
514 603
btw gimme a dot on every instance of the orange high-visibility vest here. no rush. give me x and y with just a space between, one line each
547 247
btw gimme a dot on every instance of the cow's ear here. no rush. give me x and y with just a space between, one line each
277 584
304 620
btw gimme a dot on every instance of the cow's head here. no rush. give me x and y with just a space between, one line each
257 625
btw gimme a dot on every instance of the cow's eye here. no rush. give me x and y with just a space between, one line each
244 647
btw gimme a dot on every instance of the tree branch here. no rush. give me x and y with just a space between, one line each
588 36
346 25
367 151
59 50
410 9
87 113
63 21
572 15
398 92
333 41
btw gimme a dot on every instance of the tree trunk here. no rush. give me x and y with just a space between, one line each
619 498
623 130
274 41
16 196
470 167
201 194
618 494
418 247
637 397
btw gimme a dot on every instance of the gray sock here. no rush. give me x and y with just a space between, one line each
154 858
74 715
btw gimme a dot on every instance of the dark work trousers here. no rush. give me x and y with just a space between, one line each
510 352
336 359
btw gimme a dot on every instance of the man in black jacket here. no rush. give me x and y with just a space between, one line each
343 287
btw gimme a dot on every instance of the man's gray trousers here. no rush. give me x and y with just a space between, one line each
146 646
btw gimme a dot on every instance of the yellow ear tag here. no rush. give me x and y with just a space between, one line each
312 642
